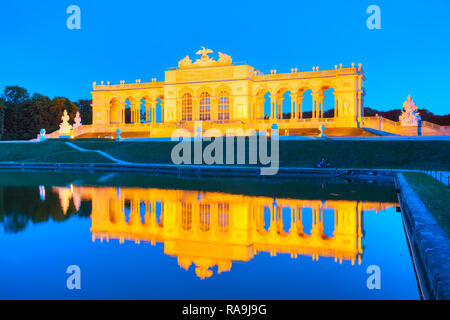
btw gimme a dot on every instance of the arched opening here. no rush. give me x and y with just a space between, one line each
304 103
112 215
284 104
286 217
143 111
128 112
267 107
159 116
142 211
205 106
307 220
328 222
267 217
224 106
329 106
186 107
115 112
127 210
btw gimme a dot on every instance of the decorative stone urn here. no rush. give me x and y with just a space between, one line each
118 138
274 131
41 135
322 131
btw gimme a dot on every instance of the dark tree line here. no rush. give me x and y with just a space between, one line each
20 206
23 115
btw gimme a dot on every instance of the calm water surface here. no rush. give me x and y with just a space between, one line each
142 237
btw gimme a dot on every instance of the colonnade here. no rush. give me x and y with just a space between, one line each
296 108
117 111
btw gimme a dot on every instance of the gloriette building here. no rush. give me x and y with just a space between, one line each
237 99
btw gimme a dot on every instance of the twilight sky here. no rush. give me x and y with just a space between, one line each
128 40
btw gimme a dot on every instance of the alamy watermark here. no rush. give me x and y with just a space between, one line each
74 20
191 149
374 280
374 20
74 280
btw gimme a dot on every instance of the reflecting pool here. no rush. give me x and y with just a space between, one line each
137 236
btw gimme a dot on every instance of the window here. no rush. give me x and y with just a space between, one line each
205 106
223 211
204 217
186 107
224 106
186 216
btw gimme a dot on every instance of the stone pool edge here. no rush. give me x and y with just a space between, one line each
429 243
207 170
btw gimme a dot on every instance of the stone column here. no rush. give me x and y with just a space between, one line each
335 105
359 106
293 106
272 107
280 108
122 112
138 111
315 104
321 96
195 109
214 108
162 110
300 103
147 111
153 110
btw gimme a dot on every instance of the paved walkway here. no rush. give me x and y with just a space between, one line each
70 144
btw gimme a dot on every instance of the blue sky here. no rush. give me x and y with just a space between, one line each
128 40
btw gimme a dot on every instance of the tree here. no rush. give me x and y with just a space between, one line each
2 117
16 100
15 95
85 110
56 110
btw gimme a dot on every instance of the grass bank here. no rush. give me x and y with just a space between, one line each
434 195
49 151
345 154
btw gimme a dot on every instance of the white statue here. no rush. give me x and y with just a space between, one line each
205 60
65 127
410 116
224 58
185 62
77 121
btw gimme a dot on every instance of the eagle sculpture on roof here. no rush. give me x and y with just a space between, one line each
204 52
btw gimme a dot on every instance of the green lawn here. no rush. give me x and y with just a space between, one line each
434 195
346 154
49 151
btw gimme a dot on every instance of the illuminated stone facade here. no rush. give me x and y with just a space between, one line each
226 96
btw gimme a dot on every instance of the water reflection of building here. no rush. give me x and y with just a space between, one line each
211 229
